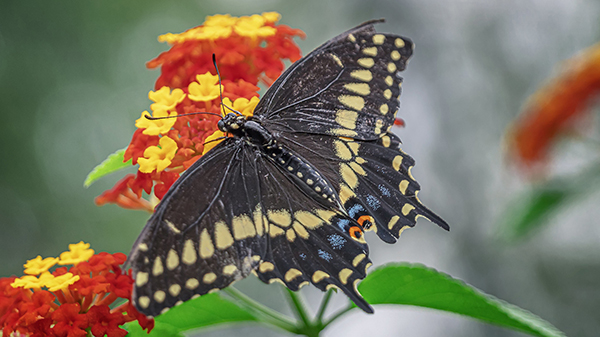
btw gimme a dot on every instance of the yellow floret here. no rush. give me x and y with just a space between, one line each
271 16
241 105
62 282
156 127
158 157
164 99
39 265
78 252
206 88
29 281
253 26
223 20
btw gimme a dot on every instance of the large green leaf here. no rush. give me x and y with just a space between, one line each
412 284
206 310
112 163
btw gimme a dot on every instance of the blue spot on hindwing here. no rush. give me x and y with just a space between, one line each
336 241
373 202
355 209
325 255
384 190
343 224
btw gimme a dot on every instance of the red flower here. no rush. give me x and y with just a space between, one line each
42 328
120 285
132 314
166 180
103 322
69 322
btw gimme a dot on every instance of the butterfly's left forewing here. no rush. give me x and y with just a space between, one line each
199 239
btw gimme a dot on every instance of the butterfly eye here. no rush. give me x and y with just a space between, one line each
355 232
221 125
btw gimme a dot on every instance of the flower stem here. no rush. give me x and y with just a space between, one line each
337 315
299 306
324 303
268 315
309 328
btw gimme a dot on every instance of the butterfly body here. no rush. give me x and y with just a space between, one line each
290 194
298 170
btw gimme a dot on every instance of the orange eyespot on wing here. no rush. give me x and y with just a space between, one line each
365 221
355 232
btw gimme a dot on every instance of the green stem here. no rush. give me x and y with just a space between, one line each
300 309
270 316
324 303
337 315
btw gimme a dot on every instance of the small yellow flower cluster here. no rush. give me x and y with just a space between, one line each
78 252
204 89
163 106
222 26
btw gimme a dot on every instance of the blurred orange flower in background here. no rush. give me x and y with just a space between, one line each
553 110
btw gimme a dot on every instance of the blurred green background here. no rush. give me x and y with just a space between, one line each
73 80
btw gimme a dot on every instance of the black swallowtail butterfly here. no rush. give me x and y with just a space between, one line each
290 195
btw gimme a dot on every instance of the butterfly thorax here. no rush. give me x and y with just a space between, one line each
295 167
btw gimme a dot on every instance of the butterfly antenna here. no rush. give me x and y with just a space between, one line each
214 59
215 140
183 115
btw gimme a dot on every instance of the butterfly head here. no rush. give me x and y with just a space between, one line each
232 123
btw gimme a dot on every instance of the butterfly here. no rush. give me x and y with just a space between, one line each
291 193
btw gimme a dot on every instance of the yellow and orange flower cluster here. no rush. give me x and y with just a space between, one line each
554 109
248 50
74 301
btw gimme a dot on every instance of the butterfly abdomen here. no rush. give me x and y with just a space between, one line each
302 172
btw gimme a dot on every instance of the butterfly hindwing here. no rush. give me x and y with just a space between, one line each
377 186
309 243
373 179
347 87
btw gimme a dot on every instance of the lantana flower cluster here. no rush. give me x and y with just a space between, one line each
556 108
92 296
248 50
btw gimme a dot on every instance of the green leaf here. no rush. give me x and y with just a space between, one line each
531 211
413 284
112 163
206 310
160 329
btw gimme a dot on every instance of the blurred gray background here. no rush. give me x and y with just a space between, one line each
73 80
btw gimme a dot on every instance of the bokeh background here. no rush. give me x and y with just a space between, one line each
73 80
